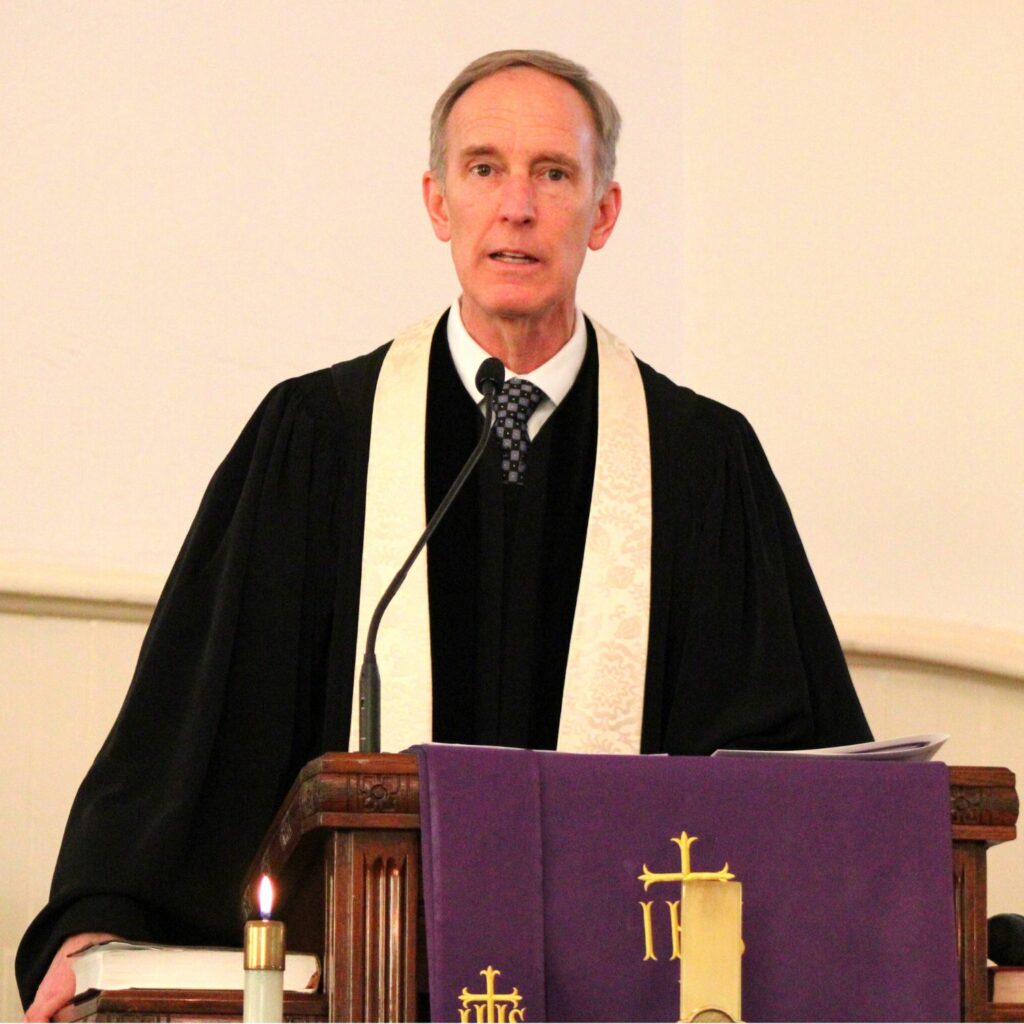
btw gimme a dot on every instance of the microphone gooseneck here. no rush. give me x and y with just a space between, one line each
489 379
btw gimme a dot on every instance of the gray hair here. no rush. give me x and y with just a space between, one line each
607 119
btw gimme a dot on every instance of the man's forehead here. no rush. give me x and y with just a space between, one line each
519 103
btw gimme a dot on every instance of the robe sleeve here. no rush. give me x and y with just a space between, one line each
754 660
216 721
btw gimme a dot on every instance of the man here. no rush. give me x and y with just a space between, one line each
621 573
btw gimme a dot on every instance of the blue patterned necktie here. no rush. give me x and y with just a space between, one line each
516 403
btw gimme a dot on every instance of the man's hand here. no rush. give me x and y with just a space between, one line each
57 988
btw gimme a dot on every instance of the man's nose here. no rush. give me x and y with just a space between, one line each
518 202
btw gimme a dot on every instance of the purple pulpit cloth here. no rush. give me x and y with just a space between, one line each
531 863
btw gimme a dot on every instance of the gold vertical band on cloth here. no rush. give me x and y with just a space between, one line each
603 699
395 517
602 705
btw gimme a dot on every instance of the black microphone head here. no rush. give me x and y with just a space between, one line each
491 375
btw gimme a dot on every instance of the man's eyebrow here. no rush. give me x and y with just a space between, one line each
556 157
550 157
472 151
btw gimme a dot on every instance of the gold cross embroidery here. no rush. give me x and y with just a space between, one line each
685 874
684 842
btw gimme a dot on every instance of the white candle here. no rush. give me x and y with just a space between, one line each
263 999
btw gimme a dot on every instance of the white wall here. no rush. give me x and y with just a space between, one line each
822 226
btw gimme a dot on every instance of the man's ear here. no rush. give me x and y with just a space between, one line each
437 206
608 208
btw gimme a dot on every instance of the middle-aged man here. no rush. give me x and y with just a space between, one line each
621 573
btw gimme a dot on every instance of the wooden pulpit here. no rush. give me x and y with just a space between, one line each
344 852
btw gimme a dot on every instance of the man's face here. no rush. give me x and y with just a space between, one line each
518 201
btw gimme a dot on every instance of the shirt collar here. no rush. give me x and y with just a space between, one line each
554 377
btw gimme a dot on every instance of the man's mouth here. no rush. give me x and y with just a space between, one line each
512 256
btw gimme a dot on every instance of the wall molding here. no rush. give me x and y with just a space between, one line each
902 641
68 593
932 644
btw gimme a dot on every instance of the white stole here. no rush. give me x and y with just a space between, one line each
602 702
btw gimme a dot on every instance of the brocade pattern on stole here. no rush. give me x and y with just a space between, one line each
602 702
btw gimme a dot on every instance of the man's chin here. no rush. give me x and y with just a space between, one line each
515 305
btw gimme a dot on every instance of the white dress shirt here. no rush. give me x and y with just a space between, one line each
554 377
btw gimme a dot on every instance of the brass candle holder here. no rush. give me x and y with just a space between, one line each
263 958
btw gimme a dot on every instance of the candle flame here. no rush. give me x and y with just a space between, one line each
266 896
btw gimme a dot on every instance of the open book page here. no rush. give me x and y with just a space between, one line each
904 748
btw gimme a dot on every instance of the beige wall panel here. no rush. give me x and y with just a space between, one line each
984 716
63 681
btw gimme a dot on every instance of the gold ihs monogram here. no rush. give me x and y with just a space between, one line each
491 1007
674 925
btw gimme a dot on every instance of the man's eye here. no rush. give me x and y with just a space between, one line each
555 174
481 170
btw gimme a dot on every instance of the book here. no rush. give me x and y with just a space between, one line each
117 965
904 748
1006 984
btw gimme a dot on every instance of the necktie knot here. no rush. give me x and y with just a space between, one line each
516 403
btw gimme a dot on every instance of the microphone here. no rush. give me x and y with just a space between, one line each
489 379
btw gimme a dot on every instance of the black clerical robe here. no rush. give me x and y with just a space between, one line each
246 671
